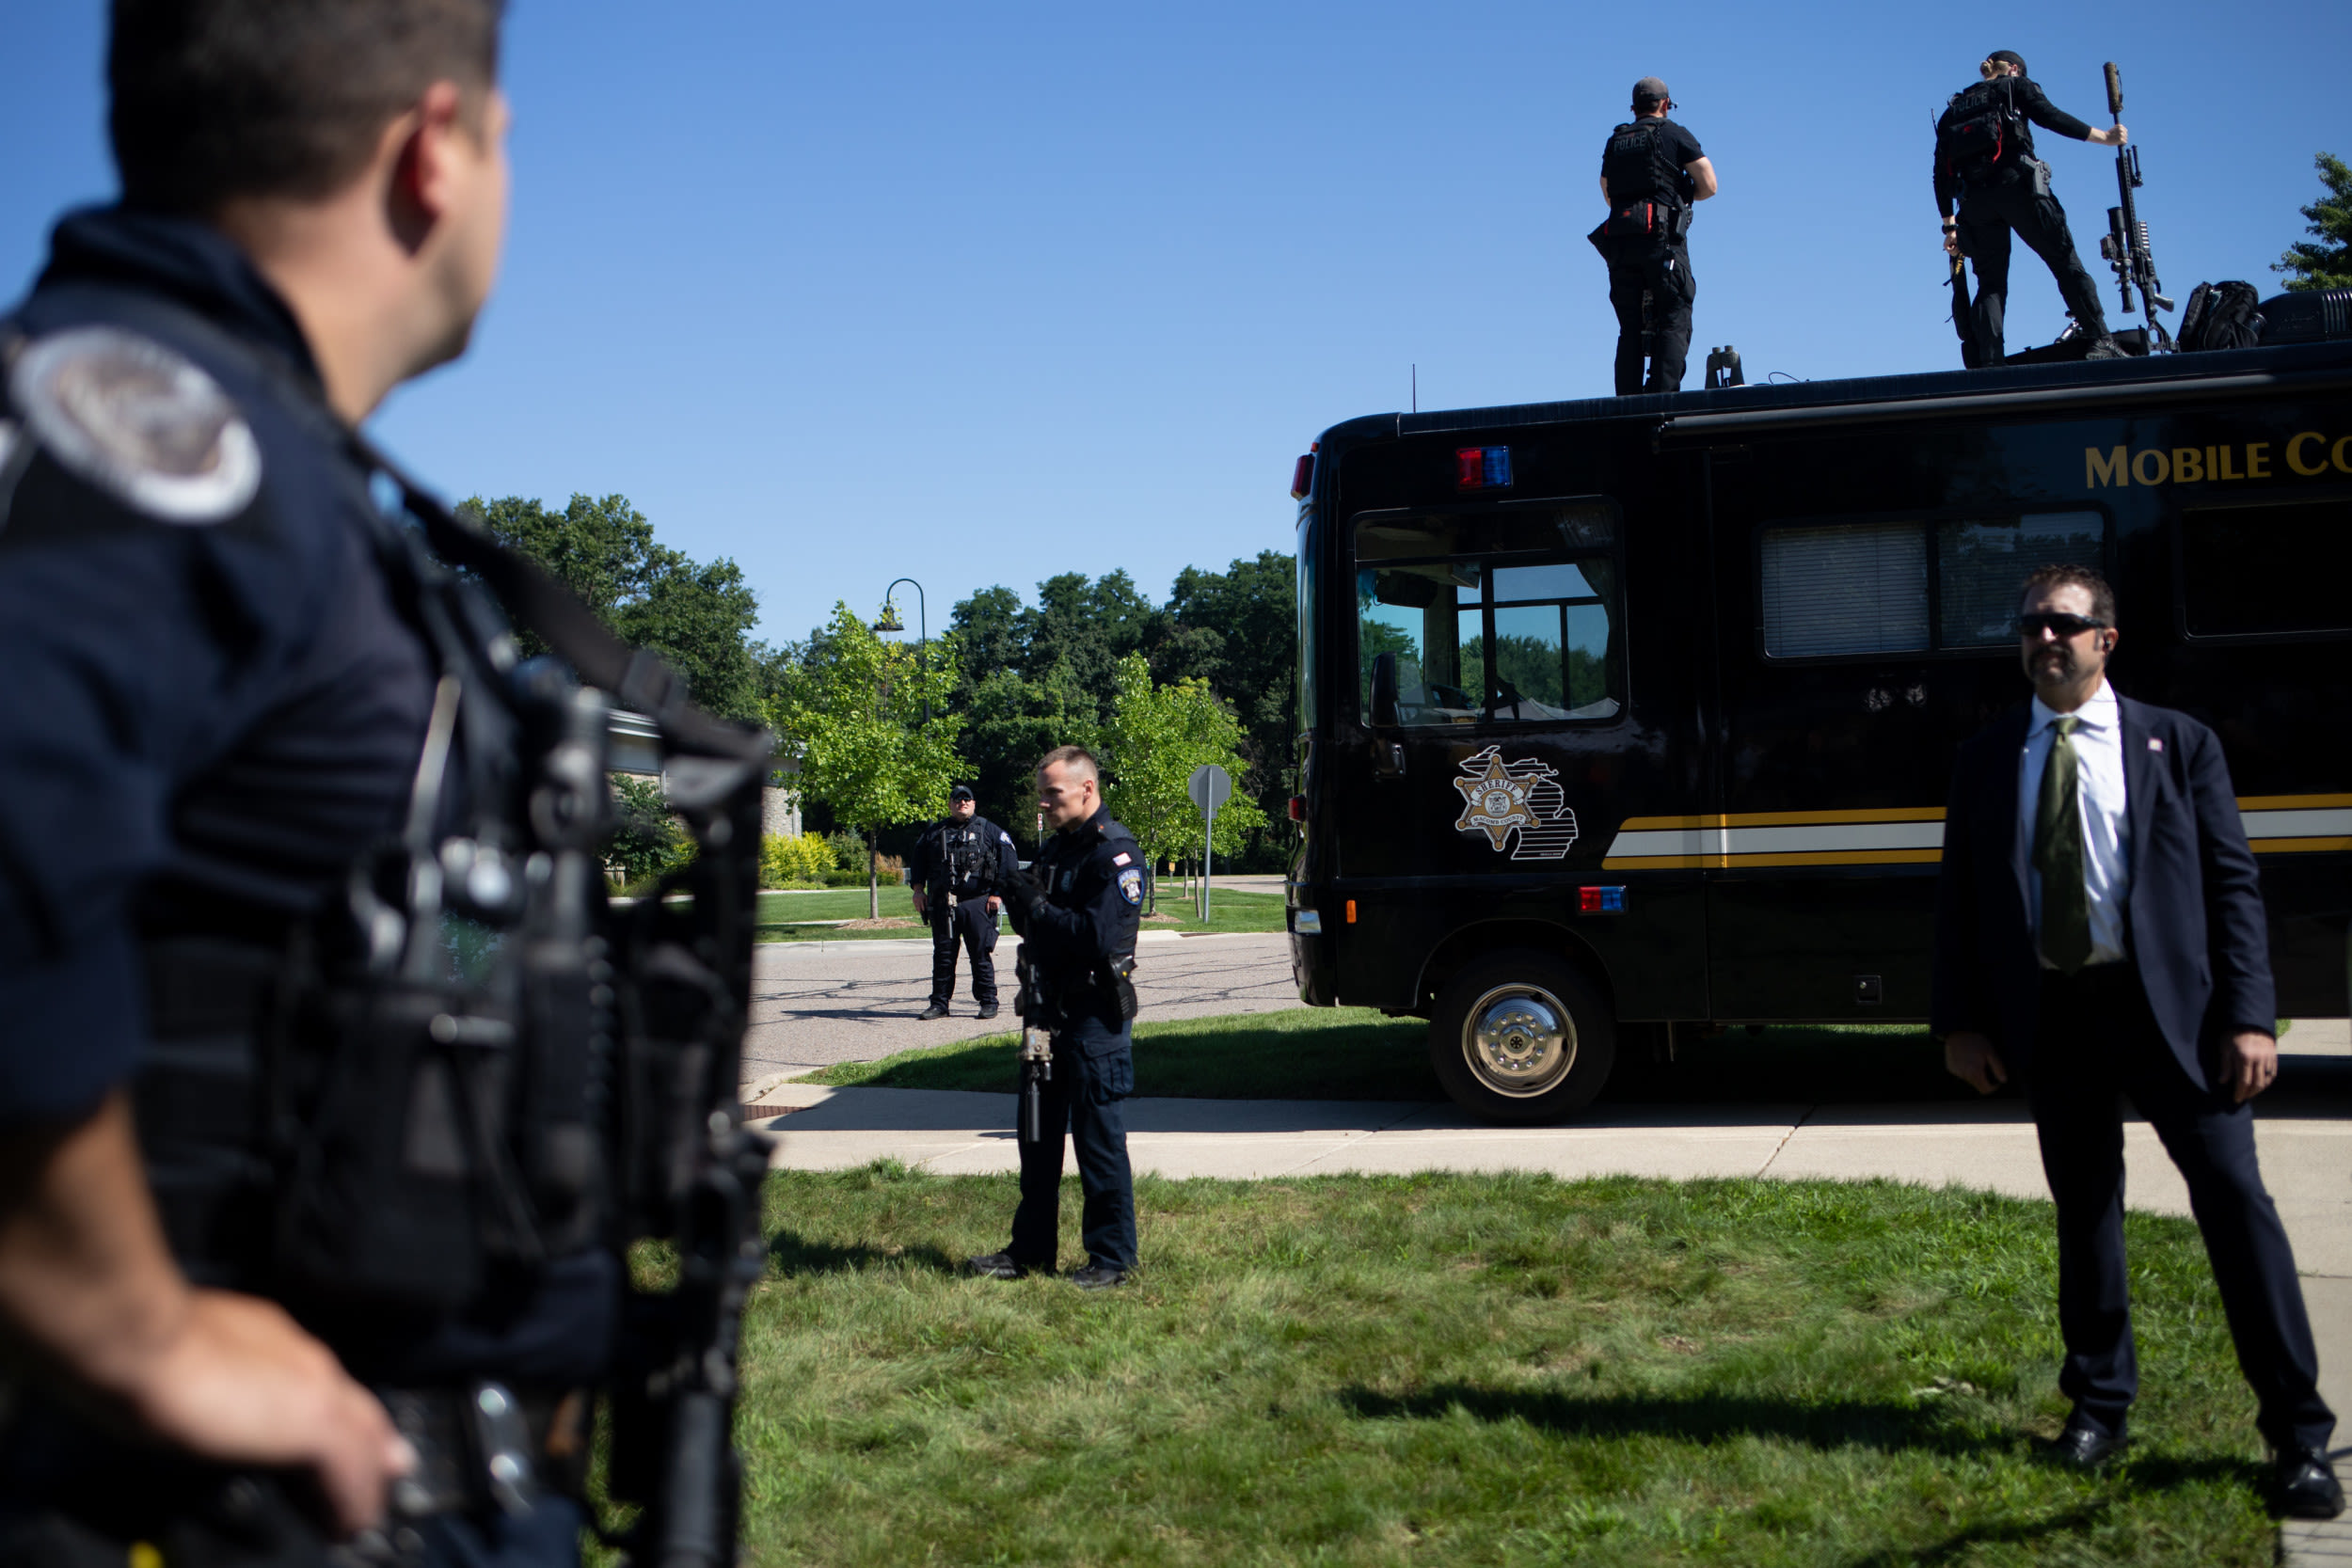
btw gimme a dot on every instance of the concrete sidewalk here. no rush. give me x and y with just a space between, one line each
2304 1132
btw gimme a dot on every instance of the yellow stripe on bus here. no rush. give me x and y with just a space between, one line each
1781 819
2292 803
1894 857
1799 857
2296 845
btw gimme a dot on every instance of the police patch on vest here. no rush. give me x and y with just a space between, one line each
138 420
1506 799
1131 885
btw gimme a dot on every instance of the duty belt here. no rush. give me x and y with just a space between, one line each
483 1446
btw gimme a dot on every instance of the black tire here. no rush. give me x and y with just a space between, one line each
1547 1044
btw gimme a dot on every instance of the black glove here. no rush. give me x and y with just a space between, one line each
1024 895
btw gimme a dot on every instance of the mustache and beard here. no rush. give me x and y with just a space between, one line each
2052 664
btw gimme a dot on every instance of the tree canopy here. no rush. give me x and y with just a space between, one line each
1155 736
697 616
852 707
2325 261
1036 676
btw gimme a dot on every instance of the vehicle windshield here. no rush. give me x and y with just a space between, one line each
1506 617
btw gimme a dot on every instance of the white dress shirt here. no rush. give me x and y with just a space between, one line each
2106 831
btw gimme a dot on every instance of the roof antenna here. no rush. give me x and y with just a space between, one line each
1417 388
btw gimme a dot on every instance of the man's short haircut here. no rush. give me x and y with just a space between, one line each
1074 758
2063 575
213 100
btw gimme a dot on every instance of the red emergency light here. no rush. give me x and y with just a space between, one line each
1482 468
1601 900
1299 808
1303 475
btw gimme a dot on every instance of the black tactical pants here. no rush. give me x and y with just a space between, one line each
2096 1044
1986 217
974 928
1094 1069
1663 272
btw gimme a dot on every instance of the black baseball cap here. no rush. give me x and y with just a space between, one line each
961 792
1649 89
2011 56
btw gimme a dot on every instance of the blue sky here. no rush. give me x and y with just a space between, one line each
979 295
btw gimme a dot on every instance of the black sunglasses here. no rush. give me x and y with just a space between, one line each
2064 624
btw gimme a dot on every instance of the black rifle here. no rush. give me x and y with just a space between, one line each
2125 242
687 1170
694 1173
1036 1047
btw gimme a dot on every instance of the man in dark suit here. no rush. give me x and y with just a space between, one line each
2100 933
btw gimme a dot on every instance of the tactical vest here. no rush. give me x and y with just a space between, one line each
467 1062
1639 165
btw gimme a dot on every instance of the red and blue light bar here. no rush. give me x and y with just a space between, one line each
1482 468
1601 900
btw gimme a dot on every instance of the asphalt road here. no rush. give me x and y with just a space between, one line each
818 1003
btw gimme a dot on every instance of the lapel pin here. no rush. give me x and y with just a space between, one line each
2156 743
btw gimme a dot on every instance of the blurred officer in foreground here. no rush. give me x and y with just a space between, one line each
1651 172
960 863
233 682
1077 912
1984 162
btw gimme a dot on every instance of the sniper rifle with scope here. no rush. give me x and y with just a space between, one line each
2125 244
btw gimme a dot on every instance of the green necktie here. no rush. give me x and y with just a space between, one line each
2058 854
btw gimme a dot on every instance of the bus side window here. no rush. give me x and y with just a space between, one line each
1844 588
1493 618
2251 571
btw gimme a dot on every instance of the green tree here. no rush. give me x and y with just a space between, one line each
644 839
2327 264
696 616
1155 736
1238 630
853 709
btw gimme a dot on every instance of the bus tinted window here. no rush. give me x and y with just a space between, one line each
1509 618
1980 564
1863 588
2254 569
1851 589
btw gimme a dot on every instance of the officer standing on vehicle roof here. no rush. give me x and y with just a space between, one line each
222 682
960 863
1651 172
1984 162
1077 912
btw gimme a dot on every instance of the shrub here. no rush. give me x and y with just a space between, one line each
646 840
785 859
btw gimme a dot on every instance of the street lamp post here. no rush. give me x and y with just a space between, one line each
890 621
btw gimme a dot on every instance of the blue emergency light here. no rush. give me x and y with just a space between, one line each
1601 900
1482 468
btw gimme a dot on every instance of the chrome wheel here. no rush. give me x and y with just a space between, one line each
1519 1041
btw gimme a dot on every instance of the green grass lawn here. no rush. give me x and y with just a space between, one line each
1355 1053
1445 1368
792 916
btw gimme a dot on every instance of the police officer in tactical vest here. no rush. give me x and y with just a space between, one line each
960 863
1651 172
307 1018
1077 911
1985 164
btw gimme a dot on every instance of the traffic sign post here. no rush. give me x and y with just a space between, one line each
1210 787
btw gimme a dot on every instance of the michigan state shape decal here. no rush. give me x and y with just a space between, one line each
1517 805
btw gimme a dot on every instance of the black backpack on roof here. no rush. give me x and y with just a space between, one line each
2220 315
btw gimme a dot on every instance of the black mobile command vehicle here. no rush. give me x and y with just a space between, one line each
1638 713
